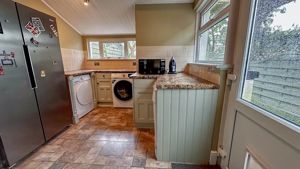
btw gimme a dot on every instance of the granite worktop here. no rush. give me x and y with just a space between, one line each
177 81
183 81
142 76
82 72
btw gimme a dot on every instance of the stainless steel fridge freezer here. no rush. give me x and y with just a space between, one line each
51 87
20 125
34 103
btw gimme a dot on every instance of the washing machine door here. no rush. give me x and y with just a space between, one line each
84 93
123 90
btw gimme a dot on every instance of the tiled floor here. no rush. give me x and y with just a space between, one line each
104 139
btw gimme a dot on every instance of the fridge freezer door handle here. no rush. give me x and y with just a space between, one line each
3 159
29 67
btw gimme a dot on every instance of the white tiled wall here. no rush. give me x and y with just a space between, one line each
182 54
72 59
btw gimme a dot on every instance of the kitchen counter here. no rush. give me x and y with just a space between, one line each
141 76
183 81
82 72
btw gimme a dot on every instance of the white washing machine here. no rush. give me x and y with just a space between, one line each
122 90
82 96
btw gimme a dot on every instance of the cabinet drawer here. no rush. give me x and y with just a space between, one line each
144 83
142 94
101 76
104 83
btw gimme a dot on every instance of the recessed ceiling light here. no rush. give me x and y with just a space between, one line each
86 2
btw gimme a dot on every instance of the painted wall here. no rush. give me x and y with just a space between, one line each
106 64
166 30
70 40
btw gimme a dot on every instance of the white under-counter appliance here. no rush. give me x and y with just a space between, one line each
122 90
82 96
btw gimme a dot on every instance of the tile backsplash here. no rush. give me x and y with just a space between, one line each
72 59
182 54
125 64
209 73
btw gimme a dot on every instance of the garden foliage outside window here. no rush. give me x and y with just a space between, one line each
112 49
212 33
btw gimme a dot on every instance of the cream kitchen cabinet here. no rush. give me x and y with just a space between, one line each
143 104
104 89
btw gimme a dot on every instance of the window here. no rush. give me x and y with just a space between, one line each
213 31
131 49
94 50
272 76
112 49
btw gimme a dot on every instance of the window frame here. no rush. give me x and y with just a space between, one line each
110 40
224 13
243 71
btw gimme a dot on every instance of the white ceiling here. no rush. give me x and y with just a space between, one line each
102 17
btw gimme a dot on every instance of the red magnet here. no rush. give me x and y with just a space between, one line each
1 71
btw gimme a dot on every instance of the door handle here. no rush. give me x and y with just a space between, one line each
29 67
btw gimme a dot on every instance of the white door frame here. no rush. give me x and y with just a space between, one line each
282 130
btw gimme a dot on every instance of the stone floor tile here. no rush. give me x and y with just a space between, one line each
119 161
51 148
76 166
93 166
48 156
101 160
110 167
104 139
88 157
140 153
28 165
57 165
151 163
139 162
68 157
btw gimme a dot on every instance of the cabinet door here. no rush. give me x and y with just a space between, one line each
144 111
108 94
101 93
104 93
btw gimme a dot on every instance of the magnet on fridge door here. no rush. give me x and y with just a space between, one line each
1 71
43 73
32 29
52 27
37 22
34 42
7 59
7 55
7 62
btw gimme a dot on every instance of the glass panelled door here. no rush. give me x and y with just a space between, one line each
263 119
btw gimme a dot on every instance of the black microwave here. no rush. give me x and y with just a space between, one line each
152 66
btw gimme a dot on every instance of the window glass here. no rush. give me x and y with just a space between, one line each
94 50
272 78
251 162
211 45
131 45
114 49
216 8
